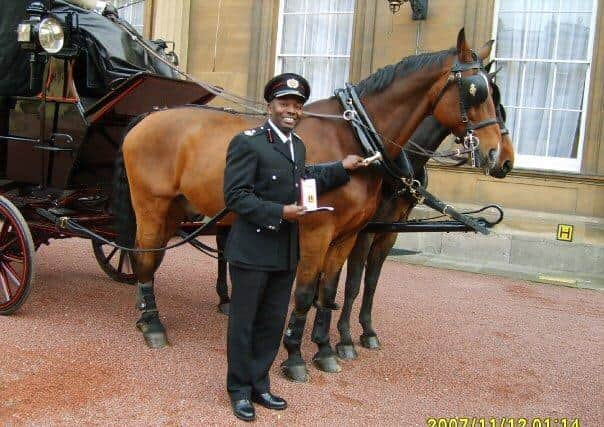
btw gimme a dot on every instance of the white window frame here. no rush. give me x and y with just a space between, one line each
524 161
279 55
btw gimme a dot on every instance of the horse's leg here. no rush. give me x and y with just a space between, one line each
354 273
222 288
153 230
379 251
325 358
312 253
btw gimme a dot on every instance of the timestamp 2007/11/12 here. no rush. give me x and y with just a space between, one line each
502 422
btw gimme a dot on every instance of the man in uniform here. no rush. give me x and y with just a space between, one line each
262 185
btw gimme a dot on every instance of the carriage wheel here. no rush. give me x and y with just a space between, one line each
115 262
16 258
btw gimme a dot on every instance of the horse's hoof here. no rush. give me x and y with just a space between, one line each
156 340
296 373
370 341
224 308
328 364
346 351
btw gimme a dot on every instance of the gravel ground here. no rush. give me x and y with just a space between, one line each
454 344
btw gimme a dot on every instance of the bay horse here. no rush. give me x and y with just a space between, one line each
172 162
428 136
371 249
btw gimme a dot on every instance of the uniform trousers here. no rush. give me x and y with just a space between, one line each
259 302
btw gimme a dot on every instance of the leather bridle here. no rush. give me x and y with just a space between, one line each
469 139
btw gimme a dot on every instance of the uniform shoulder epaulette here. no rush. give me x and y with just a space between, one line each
255 131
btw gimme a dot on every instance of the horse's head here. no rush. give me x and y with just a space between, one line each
463 102
506 156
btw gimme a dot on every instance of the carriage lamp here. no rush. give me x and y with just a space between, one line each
419 8
38 31
51 35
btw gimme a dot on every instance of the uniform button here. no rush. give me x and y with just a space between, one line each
257 230
296 185
274 177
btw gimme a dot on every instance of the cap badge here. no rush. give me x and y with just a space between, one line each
293 83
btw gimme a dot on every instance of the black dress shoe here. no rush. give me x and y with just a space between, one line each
269 401
243 409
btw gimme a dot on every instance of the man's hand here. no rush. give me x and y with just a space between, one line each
352 162
292 212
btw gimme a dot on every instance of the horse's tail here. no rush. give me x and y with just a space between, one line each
121 206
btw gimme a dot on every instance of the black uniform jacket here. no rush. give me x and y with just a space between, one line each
259 179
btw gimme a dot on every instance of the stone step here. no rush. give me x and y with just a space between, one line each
523 244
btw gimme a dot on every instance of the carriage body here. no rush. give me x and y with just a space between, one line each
62 118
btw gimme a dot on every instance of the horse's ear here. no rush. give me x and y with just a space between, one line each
487 67
464 52
485 50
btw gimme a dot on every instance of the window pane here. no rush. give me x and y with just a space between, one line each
541 35
133 14
565 128
326 75
343 5
509 79
538 84
293 65
342 34
512 116
570 82
318 71
317 34
532 133
581 6
506 5
510 35
574 36
294 5
540 5
293 34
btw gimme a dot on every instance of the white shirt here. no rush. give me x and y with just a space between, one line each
282 137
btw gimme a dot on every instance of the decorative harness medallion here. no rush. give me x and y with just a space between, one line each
472 89
250 132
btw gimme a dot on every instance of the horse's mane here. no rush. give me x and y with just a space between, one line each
383 77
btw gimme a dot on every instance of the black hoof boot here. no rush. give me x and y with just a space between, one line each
327 364
346 351
224 308
370 342
149 323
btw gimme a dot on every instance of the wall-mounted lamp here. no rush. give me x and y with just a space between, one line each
419 8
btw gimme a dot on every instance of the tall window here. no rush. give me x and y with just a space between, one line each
545 49
314 41
133 12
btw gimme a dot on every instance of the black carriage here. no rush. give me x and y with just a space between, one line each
72 79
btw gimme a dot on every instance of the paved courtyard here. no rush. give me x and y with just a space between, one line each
454 345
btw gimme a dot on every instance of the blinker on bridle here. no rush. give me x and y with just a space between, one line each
473 91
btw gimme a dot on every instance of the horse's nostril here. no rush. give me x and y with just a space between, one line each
492 154
507 166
